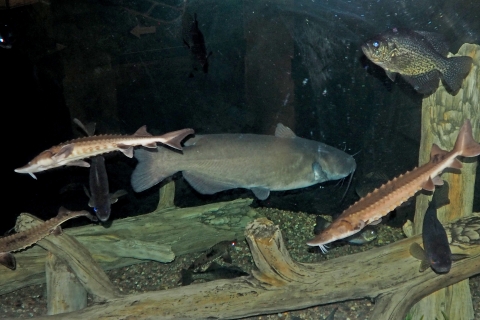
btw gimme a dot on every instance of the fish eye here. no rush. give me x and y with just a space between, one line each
376 44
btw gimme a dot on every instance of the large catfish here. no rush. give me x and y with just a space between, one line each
262 163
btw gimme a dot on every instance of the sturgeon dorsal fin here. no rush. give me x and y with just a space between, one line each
284 132
142 132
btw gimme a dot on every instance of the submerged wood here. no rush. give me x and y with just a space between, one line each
279 284
442 116
78 258
159 236
64 292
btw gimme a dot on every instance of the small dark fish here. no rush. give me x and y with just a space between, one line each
437 253
100 198
419 57
368 234
221 249
197 45
213 272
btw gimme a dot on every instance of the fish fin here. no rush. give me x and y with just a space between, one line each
437 181
417 252
32 175
205 185
78 163
375 222
126 150
175 138
457 69
89 129
148 172
282 131
261 193
424 265
428 185
459 256
440 196
56 231
391 75
424 83
117 194
64 152
465 143
318 173
8 260
86 191
437 40
142 132
456 164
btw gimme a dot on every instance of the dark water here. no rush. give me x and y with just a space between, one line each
298 63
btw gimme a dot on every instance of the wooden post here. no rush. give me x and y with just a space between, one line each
442 117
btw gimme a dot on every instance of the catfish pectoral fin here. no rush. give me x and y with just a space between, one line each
417 251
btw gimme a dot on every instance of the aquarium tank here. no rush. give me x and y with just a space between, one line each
303 106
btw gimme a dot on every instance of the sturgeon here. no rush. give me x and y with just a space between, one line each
371 208
27 238
73 152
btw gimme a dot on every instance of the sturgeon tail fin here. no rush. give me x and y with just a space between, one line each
465 144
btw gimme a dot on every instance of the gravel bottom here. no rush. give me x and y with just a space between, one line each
297 229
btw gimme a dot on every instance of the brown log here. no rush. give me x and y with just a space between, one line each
158 236
442 116
281 284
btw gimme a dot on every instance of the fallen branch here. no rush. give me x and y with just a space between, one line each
388 273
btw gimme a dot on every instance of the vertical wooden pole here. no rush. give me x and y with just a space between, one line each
442 117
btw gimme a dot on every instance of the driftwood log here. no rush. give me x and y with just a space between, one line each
442 116
159 236
389 274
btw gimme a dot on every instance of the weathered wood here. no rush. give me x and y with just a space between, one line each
442 116
281 284
64 292
78 258
157 236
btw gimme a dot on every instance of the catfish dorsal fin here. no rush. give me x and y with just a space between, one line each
284 132
142 132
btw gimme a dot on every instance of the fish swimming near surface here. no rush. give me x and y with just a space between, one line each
27 238
261 163
420 57
196 44
73 152
213 272
437 253
100 197
365 236
371 208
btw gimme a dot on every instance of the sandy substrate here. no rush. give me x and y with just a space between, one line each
296 228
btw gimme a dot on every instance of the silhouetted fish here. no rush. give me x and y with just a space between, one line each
196 44
261 163
437 253
420 57
213 272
